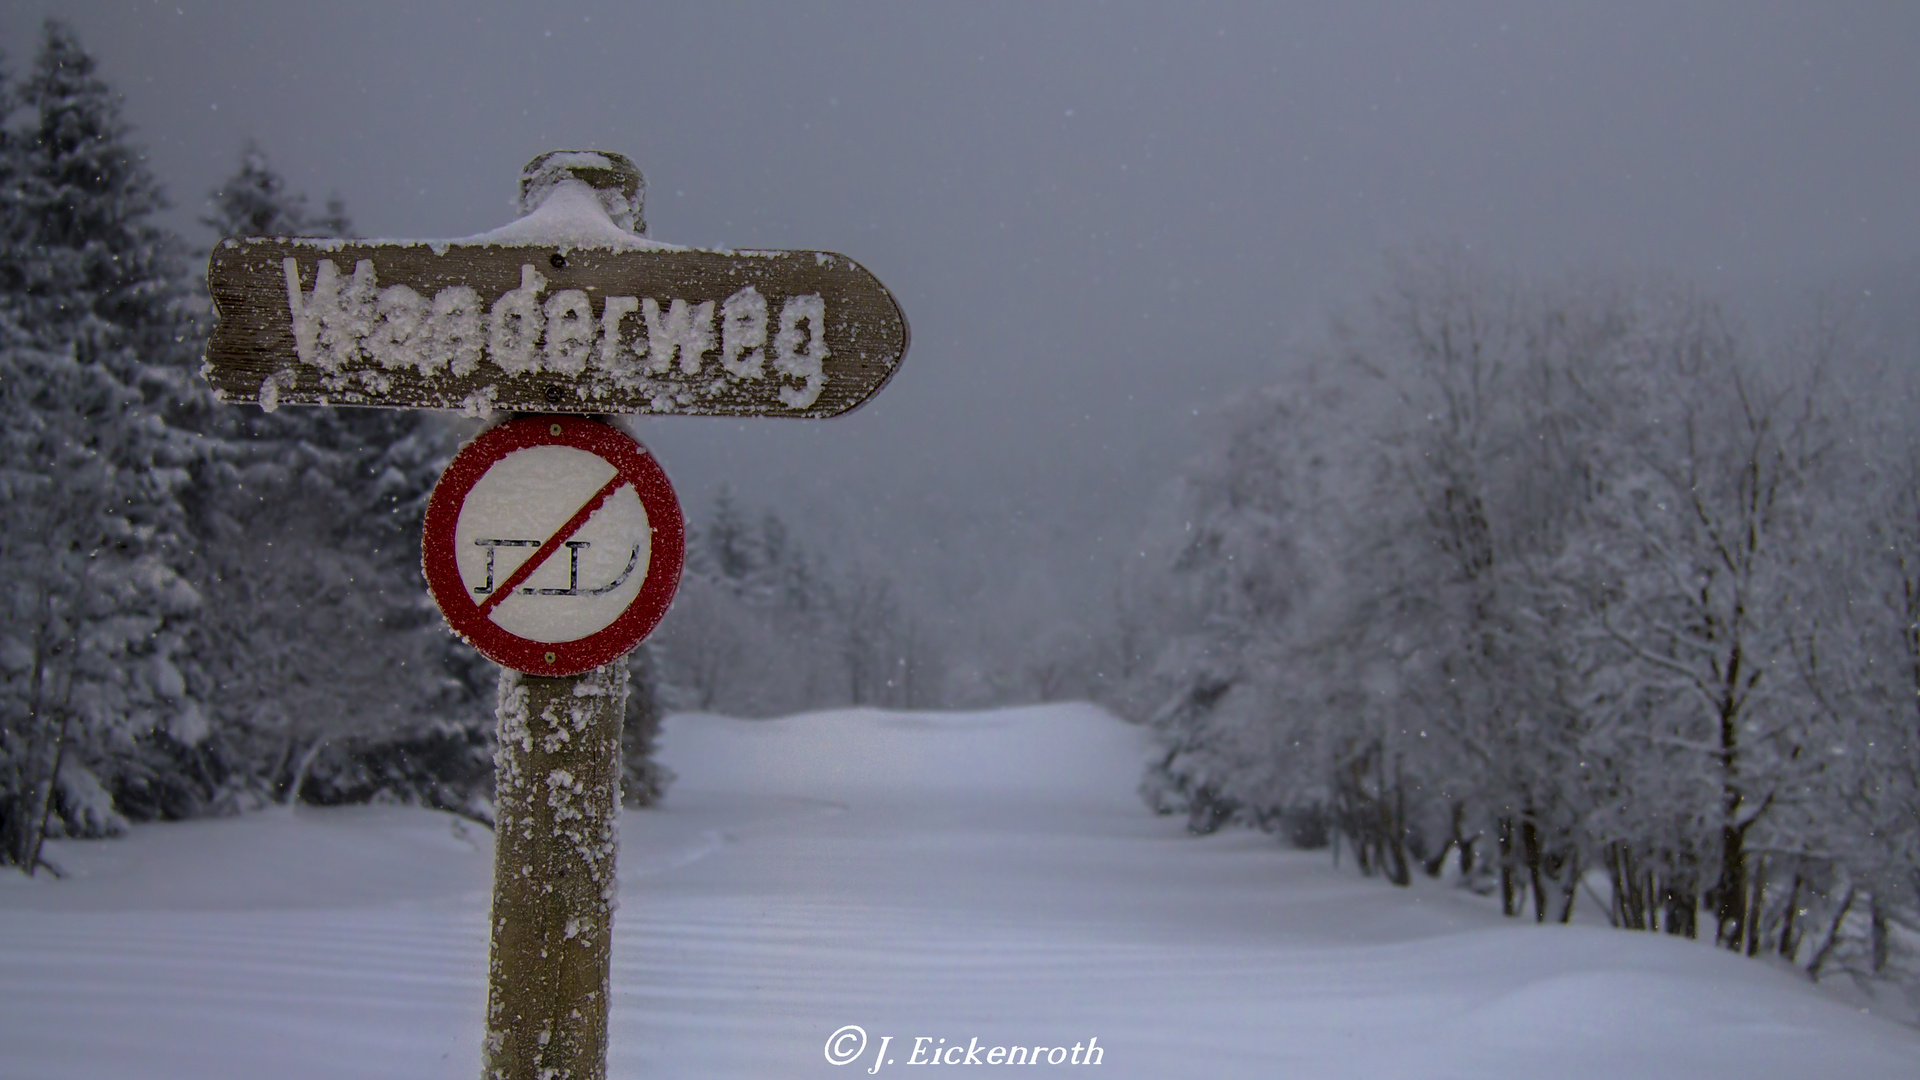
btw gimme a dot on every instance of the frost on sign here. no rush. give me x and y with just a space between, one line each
482 328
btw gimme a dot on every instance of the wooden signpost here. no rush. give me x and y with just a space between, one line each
553 543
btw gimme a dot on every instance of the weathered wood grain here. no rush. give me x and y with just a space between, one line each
252 355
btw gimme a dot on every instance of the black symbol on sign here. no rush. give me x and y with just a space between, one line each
573 576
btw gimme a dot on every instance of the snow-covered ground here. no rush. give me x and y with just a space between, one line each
984 876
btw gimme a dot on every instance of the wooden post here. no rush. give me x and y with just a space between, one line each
557 791
556 772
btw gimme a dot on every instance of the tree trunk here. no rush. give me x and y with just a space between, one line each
1789 944
1877 923
25 846
1826 948
38 836
1532 849
1731 893
36 823
1508 905
1754 921
1569 891
300 772
1393 822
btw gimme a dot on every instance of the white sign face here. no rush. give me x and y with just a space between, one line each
517 506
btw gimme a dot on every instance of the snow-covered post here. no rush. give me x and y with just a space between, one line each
557 791
556 797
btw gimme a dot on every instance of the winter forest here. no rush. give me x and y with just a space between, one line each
1567 589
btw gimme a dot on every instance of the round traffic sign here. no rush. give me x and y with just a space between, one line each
553 544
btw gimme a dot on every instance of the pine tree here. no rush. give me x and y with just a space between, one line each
728 543
336 681
100 694
85 201
643 781
254 201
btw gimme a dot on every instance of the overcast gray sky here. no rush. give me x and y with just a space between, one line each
1098 217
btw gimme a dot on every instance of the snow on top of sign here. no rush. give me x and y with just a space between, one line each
572 224
571 216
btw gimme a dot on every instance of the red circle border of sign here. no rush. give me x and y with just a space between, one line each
666 555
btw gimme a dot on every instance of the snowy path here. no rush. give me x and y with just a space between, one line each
949 876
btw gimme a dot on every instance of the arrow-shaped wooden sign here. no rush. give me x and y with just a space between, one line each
482 327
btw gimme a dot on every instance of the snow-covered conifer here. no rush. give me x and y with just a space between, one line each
101 692
336 681
93 258
255 201
763 625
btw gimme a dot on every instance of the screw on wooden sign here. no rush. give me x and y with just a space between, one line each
552 543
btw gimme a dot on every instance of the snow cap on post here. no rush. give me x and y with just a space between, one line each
622 190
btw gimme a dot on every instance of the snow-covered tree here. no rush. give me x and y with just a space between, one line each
1243 739
1562 581
1851 814
643 780
255 201
762 625
102 696
1710 527
335 680
91 256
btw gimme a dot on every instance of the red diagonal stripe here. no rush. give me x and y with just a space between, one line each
553 543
